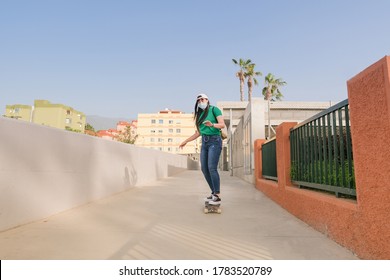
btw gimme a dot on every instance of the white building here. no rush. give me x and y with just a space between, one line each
248 121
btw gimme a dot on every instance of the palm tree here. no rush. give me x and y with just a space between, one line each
243 64
250 74
271 92
271 89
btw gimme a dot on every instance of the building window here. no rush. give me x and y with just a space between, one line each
160 121
170 121
160 131
68 112
68 121
170 140
153 121
170 130
178 130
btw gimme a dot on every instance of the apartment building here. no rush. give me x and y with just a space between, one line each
165 131
18 111
45 113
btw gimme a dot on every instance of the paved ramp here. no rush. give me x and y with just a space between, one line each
165 220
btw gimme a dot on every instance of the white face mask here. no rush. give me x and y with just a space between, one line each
202 105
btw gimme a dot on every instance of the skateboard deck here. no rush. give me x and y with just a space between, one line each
209 208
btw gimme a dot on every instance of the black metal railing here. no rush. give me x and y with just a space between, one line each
321 152
268 157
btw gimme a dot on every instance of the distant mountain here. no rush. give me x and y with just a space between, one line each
103 123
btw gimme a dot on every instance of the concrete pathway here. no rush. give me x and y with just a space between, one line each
165 220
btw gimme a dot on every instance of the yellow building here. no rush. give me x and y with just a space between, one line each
20 112
45 113
165 131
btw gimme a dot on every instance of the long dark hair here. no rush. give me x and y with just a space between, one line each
198 116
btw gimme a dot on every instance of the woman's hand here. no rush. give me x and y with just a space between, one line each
181 146
189 139
208 123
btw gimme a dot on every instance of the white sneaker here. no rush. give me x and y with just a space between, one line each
215 200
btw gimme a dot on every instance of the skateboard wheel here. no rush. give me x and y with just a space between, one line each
219 211
206 211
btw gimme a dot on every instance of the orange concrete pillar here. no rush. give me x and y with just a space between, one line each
369 100
283 153
258 159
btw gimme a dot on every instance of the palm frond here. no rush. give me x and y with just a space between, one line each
272 85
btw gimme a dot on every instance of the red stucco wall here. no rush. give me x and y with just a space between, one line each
362 226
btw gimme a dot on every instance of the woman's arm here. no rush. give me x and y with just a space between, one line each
220 124
189 139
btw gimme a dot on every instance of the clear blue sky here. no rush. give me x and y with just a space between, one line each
117 58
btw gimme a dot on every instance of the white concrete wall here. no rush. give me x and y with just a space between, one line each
45 170
249 128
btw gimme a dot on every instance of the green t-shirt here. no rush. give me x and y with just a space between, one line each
212 115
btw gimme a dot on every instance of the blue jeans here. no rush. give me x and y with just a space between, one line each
209 157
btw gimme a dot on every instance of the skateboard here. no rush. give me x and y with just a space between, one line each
209 208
